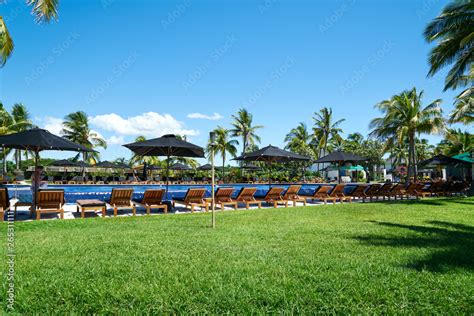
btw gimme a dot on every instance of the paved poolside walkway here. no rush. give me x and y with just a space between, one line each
70 211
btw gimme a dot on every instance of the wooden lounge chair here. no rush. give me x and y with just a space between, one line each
359 192
398 190
223 197
50 201
153 198
338 193
372 191
246 195
274 196
193 198
384 191
4 202
322 193
292 195
122 198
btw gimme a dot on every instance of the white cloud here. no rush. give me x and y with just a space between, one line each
150 124
52 124
213 117
115 140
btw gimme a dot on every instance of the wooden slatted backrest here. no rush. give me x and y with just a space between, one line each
274 193
247 194
338 190
398 188
195 196
411 188
153 197
4 198
50 198
373 188
385 188
323 191
292 192
359 190
224 194
121 197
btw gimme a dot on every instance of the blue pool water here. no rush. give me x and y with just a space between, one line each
102 192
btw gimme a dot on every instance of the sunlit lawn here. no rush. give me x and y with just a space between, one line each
359 258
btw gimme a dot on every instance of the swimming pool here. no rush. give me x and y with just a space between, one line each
102 192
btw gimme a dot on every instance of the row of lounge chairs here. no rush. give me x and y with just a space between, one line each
52 200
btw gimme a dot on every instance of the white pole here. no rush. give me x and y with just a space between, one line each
213 207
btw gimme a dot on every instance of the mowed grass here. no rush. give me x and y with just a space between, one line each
410 257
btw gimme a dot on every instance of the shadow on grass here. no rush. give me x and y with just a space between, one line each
450 245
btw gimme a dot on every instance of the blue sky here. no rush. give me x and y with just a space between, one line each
153 67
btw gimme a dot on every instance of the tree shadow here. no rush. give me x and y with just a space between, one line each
450 245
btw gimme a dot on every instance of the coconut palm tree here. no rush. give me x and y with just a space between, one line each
298 140
405 118
242 127
456 142
325 130
453 32
76 129
43 11
223 145
464 105
424 149
21 122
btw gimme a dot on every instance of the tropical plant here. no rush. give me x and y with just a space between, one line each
464 106
223 145
453 30
405 118
21 122
325 130
299 139
456 142
242 127
140 160
43 11
76 129
424 149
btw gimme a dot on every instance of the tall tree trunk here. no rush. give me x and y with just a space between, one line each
411 164
17 158
223 167
84 156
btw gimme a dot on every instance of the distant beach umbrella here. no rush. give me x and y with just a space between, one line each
168 146
64 163
205 167
339 158
271 154
179 166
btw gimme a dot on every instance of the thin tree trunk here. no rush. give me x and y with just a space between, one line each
223 167
411 165
17 158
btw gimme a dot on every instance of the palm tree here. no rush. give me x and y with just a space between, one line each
453 31
405 118
464 105
299 140
43 11
242 127
21 122
325 130
223 145
76 129
423 149
456 142
140 160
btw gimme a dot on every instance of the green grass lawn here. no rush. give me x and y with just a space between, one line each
359 258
